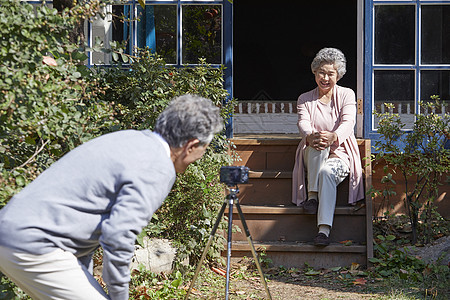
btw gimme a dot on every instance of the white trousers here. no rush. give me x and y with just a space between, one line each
55 275
324 175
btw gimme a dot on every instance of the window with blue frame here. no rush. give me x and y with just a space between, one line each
154 26
409 57
202 33
179 31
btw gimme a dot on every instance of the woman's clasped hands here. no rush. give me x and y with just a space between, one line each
321 140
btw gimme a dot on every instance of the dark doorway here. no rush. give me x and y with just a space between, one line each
275 42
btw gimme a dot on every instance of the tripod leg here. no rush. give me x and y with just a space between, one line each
255 255
205 251
230 227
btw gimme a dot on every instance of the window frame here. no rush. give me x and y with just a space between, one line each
134 4
370 131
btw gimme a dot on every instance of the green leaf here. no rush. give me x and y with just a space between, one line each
312 273
375 260
390 237
124 58
140 238
20 180
176 283
30 140
76 75
380 237
81 56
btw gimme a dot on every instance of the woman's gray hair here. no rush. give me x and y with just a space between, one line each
330 56
189 117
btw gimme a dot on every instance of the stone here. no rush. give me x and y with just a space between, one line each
157 256
436 252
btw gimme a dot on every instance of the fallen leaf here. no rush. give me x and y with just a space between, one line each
357 273
346 242
354 266
359 281
219 271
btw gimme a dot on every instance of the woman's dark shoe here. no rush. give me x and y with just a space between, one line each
321 240
310 206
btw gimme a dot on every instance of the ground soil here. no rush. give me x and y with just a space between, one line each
323 284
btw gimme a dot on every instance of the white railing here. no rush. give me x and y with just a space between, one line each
252 107
409 109
265 117
407 112
281 116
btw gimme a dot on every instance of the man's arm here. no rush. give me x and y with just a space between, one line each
140 195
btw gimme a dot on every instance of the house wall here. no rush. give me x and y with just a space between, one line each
396 203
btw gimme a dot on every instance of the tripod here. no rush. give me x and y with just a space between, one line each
230 199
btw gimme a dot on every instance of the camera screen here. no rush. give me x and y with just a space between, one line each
234 174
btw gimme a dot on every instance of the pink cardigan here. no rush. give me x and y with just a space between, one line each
344 114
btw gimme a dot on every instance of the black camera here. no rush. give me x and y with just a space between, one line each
233 175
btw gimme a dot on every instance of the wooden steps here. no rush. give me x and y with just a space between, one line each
278 224
297 254
282 229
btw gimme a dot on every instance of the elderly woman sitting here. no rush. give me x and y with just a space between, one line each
328 152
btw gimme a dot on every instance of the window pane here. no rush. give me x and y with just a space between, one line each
394 34
395 87
435 34
121 25
100 29
435 83
202 33
157 29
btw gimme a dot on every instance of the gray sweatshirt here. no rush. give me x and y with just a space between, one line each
101 193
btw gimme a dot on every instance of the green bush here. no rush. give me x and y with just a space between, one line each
421 156
48 100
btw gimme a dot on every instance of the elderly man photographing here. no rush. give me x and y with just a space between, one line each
100 194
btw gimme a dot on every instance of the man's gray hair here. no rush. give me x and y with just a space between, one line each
330 56
189 117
